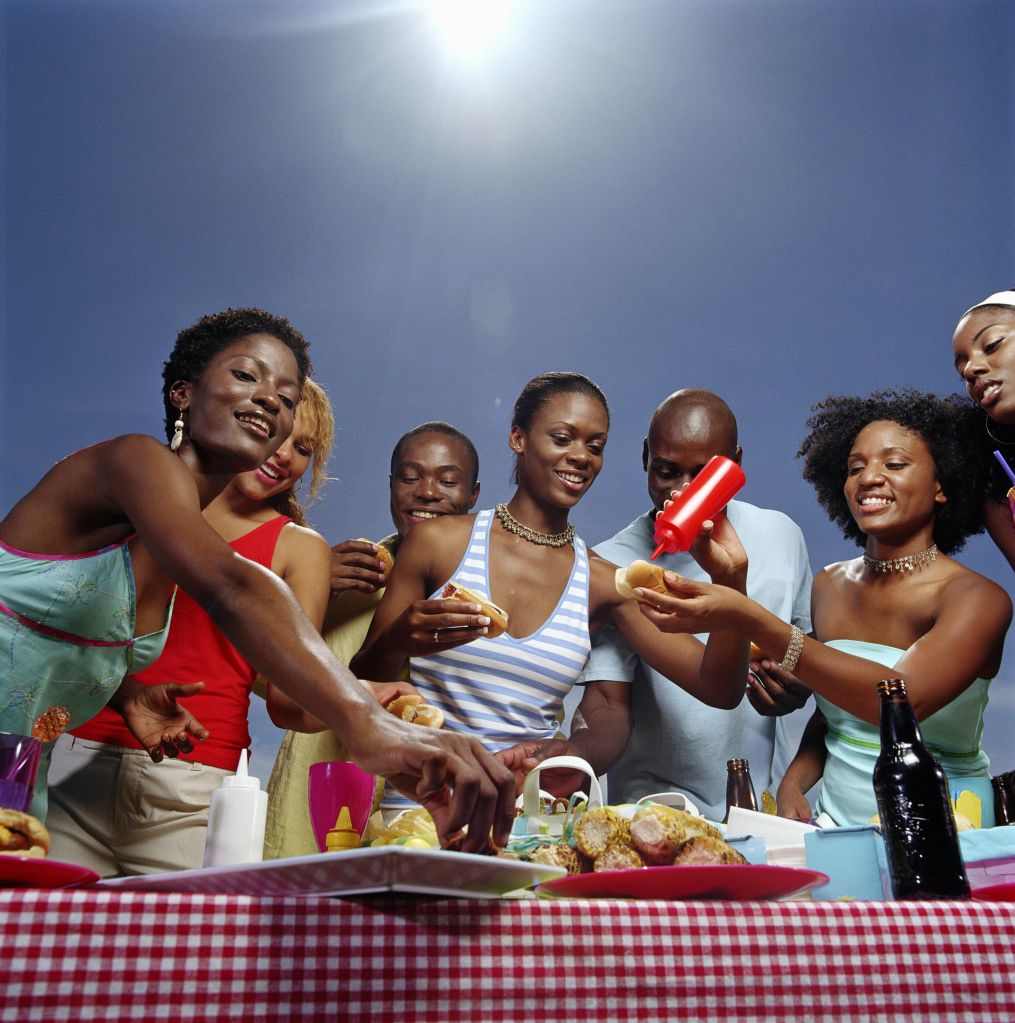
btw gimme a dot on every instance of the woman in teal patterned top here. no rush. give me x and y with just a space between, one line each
91 557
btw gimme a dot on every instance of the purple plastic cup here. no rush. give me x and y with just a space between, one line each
331 785
19 766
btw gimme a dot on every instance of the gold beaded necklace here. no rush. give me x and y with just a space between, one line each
512 525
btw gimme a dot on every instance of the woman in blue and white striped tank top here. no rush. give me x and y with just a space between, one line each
524 556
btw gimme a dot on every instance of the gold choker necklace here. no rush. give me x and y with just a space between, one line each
512 525
905 564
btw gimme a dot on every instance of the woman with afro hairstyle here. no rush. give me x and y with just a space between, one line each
893 471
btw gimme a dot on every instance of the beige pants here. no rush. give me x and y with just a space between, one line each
112 809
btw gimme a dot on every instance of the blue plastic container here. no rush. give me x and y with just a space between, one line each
854 860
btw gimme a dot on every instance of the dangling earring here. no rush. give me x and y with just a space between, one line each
174 444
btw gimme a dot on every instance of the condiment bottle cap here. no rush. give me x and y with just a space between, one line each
343 835
241 780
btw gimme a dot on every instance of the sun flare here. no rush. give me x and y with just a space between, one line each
470 26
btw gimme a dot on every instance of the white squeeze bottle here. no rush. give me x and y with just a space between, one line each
236 820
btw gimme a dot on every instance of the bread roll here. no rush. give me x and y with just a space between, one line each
640 573
22 835
498 616
387 560
412 708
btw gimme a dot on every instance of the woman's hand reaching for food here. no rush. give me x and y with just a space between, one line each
688 605
451 774
157 719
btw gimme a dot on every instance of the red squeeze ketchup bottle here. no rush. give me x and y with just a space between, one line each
703 498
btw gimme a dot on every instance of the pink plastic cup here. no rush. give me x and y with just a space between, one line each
19 765
333 784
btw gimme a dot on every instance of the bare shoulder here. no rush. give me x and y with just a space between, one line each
598 560
431 550
132 446
443 535
305 541
134 450
445 529
133 457
963 586
838 575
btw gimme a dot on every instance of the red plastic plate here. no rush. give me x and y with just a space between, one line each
32 872
996 893
731 883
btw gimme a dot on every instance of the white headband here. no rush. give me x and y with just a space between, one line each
998 298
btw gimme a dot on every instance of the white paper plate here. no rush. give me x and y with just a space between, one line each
388 868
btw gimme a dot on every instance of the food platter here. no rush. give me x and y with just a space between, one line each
35 872
725 882
389 868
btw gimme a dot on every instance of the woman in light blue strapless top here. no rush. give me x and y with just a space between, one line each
892 470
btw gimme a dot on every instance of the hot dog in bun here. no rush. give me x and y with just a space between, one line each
413 709
640 573
22 835
498 616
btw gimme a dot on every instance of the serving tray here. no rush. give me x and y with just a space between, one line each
389 868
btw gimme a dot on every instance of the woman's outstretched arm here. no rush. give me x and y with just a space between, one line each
963 643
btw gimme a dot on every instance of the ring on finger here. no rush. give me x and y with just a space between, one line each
436 638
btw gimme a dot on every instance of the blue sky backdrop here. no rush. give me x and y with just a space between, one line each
776 199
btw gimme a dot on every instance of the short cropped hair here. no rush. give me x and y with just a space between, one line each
198 344
438 426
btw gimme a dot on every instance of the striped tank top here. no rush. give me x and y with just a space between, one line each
507 690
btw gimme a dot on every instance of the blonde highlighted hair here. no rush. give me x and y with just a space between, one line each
316 425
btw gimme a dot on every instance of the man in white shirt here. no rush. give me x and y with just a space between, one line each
677 742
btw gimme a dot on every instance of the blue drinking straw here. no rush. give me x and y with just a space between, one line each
1005 466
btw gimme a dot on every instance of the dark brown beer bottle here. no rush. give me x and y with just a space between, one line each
739 787
1004 798
916 813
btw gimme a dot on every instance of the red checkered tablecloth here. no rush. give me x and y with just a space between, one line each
88 955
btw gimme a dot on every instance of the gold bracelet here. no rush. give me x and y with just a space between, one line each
793 651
